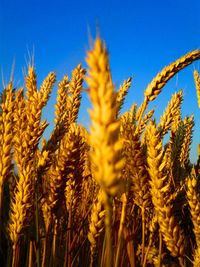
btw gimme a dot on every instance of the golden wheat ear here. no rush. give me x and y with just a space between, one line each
104 133
197 85
106 146
96 226
184 155
160 190
6 137
194 203
75 88
171 112
122 92
154 88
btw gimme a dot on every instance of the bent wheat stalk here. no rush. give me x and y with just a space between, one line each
155 86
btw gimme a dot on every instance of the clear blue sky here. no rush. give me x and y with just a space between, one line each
142 37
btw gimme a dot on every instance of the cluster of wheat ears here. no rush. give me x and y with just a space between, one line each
115 195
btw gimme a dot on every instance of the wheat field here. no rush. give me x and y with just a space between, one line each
115 195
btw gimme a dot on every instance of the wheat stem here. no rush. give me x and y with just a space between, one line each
121 226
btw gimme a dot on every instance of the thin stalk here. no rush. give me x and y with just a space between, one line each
77 252
147 251
44 252
37 226
103 252
67 259
122 221
9 257
54 244
66 250
48 256
160 250
129 247
143 233
1 201
15 257
108 227
81 226
181 262
69 236
30 263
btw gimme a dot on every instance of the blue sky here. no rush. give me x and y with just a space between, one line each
142 37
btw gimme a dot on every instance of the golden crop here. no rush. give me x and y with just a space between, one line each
110 196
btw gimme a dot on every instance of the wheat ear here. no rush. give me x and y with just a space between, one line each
61 104
185 149
61 126
104 135
194 203
197 85
46 88
136 167
75 88
6 128
122 92
145 120
75 177
155 86
170 229
96 225
21 204
171 113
